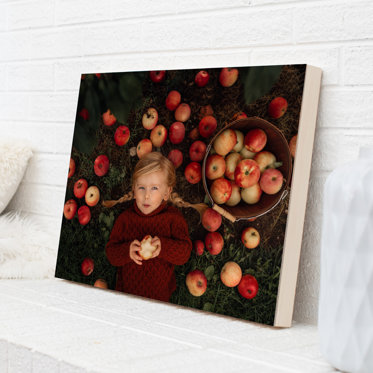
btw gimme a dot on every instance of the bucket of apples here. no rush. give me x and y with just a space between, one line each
247 169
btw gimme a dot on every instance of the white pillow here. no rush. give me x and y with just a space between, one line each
14 156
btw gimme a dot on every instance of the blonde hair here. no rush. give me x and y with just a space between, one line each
153 162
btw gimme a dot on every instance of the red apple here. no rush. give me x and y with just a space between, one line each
214 243
235 197
250 237
80 187
231 274
194 133
199 247
87 266
92 196
84 114
248 286
225 142
173 100
150 118
69 209
101 165
101 283
158 136
122 135
247 173
240 141
293 145
147 248
252 194
197 151
202 78
239 115
228 76
277 107
193 172
271 181
221 190
211 220
255 140
231 162
157 76
84 215
196 282
215 166
182 112
266 160
71 168
176 157
206 110
177 132
144 147
207 126
108 118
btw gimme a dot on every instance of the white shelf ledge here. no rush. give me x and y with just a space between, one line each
56 326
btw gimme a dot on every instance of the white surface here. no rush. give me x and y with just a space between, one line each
46 44
59 326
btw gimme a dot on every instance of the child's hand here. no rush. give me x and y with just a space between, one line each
135 246
156 242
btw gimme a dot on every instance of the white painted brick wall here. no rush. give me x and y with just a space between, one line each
46 44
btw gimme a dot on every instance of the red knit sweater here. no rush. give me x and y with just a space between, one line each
155 278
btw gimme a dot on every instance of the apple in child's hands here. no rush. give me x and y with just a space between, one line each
71 168
147 248
202 78
215 166
92 196
197 151
221 190
266 160
84 215
101 165
173 100
248 286
87 266
101 283
293 145
177 132
207 126
214 243
277 107
211 220
231 274
108 118
252 194
199 247
193 172
144 147
247 173
240 141
150 118
271 181
231 162
228 76
158 135
182 112
176 157
157 76
69 209
225 142
255 140
235 197
80 187
250 237
122 135
196 282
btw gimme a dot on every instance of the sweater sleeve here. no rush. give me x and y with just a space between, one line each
176 249
117 249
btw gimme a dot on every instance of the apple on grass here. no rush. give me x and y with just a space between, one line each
193 172
202 78
255 140
176 157
84 215
150 118
80 187
158 136
101 283
207 126
173 100
199 247
144 147
228 76
108 118
240 141
215 166
293 145
214 243
252 194
87 266
277 107
71 168
182 112
101 165
211 220
197 151
69 209
157 76
231 162
225 142
235 197
239 115
247 173
271 181
250 237
205 110
122 135
221 190
231 274
266 159
196 282
194 133
248 286
92 196
176 132
147 248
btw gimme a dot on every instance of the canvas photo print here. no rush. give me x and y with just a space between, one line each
179 185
